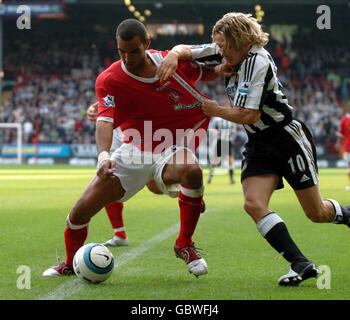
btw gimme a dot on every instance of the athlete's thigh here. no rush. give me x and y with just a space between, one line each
260 158
134 169
174 168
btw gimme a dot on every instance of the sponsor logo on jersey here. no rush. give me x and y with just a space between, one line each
181 106
109 101
244 88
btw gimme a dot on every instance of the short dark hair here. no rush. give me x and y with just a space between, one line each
130 28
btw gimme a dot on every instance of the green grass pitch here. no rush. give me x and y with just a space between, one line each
35 200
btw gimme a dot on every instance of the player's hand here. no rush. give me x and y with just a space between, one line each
106 169
91 112
209 107
168 66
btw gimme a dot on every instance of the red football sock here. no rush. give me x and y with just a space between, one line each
190 203
115 214
74 237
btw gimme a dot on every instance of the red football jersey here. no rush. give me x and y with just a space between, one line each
344 131
144 105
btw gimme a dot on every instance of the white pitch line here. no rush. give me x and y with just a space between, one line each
73 286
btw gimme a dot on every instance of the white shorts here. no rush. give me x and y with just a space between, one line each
117 139
346 156
136 168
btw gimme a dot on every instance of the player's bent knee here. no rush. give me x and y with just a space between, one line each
152 186
192 175
105 191
98 194
254 208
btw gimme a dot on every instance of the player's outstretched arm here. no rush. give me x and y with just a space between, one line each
211 72
236 114
169 64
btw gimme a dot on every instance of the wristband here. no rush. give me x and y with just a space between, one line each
104 155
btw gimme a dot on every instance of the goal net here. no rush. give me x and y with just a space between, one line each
18 145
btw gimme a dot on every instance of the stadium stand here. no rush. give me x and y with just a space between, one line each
55 83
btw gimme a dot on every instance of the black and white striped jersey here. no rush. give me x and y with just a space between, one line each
254 86
226 129
207 53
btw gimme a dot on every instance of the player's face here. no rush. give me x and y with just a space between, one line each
231 55
132 52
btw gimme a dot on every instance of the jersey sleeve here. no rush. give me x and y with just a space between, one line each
205 51
251 81
106 100
192 70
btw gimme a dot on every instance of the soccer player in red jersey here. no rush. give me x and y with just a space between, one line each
343 143
114 209
162 124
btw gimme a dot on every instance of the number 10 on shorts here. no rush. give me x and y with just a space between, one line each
299 163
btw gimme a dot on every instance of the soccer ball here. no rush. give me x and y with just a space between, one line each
93 263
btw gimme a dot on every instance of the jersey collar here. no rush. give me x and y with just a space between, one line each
145 80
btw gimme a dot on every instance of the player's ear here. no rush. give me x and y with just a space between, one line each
147 43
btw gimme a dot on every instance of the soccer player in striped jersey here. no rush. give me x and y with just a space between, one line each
278 144
222 133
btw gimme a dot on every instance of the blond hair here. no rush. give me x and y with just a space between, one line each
239 30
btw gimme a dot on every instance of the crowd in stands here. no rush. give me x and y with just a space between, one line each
54 85
54 106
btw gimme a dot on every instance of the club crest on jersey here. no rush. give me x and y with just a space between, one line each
109 101
244 88
174 95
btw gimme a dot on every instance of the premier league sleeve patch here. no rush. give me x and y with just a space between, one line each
109 101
